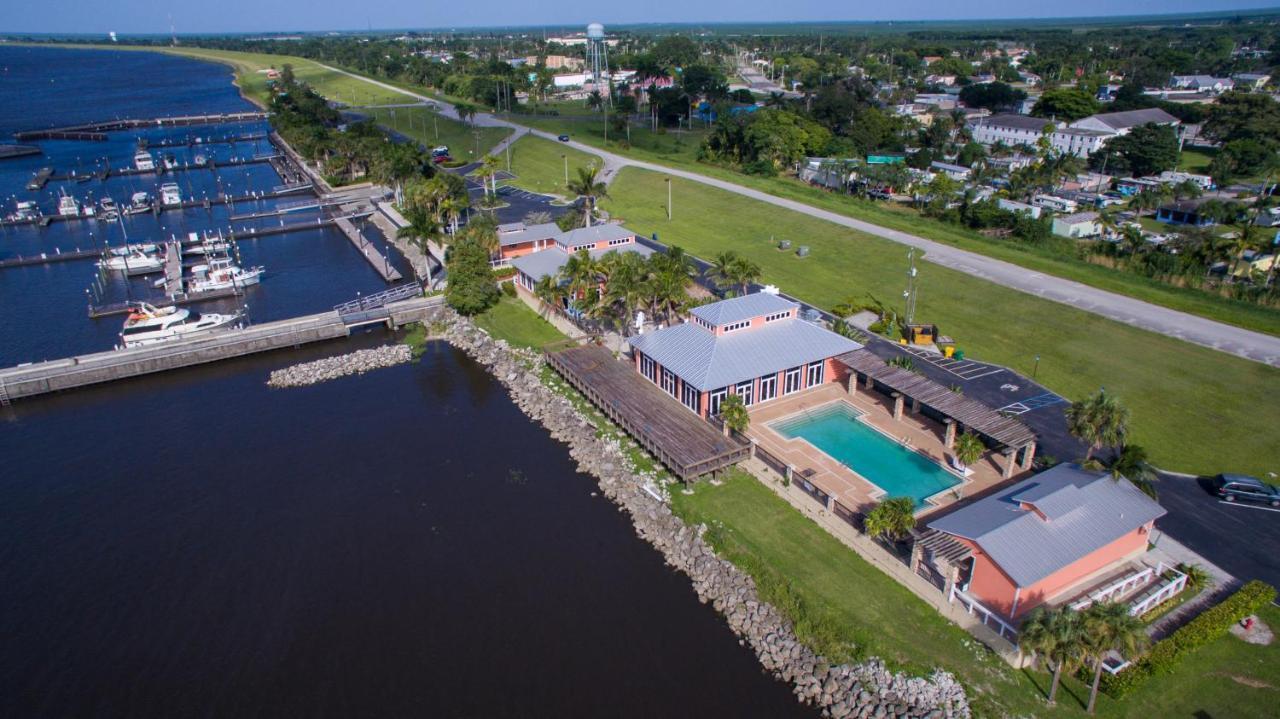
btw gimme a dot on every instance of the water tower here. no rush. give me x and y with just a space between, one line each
598 59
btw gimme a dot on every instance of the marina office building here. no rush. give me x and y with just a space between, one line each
754 346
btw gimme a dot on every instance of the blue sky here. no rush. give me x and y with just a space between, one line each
210 16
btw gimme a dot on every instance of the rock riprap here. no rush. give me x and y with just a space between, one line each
865 690
358 362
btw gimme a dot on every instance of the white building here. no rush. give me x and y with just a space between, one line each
1078 226
1120 123
1012 130
1020 207
1203 83
1078 141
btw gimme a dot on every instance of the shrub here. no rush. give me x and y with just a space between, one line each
503 273
1166 655
508 289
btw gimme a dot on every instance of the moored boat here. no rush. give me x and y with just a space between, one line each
148 324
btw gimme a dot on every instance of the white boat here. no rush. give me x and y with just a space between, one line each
221 274
201 160
139 203
107 209
133 262
143 161
27 210
170 162
170 194
148 325
146 248
68 206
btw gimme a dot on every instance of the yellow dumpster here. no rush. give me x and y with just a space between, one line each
948 351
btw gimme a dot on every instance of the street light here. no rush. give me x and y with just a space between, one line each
566 168
1036 368
668 198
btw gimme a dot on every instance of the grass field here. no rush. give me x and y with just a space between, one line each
466 143
850 601
1195 409
539 165
513 321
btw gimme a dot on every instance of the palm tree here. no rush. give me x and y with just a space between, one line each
1131 463
1054 634
730 268
891 519
734 413
745 272
1108 626
595 101
466 111
582 278
551 293
968 449
587 186
1099 420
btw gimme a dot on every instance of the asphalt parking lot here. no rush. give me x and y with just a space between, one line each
1243 539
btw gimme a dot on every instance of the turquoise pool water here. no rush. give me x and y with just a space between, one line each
900 472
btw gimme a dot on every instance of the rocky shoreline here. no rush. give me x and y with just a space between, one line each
865 690
358 362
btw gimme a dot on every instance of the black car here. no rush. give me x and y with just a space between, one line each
1238 487
564 138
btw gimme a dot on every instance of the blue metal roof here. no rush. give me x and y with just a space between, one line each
741 308
549 261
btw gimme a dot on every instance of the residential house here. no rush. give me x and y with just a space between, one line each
1077 226
1049 538
1012 130
1183 212
1019 207
1171 177
597 240
1120 123
960 173
1203 83
755 346
1251 81
1078 141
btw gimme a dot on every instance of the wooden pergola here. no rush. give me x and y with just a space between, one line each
1013 439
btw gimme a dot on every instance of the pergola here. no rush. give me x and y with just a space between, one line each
1012 438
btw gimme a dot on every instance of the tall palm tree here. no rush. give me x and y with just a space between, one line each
1131 463
724 268
582 279
1109 626
1099 420
588 186
551 292
745 272
489 173
466 111
1055 635
968 449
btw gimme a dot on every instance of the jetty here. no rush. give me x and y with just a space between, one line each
376 259
40 179
7 151
393 308
97 130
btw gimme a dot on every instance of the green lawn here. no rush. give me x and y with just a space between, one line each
1195 409
1195 160
830 587
539 165
466 143
513 320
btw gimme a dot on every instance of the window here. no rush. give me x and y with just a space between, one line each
735 326
703 322
744 390
648 368
690 396
768 387
815 374
791 381
714 400
620 241
668 381
778 316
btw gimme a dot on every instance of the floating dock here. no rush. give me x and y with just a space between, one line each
56 375
95 130
7 151
380 263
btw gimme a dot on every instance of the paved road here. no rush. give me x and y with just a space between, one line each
1154 318
1243 539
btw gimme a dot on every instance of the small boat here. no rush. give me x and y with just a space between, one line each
139 203
68 206
221 274
134 262
146 248
170 162
201 160
144 161
170 194
148 324
26 212
107 209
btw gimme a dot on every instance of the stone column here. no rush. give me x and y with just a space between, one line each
869 383
897 405
949 441
1010 459
915 406
853 382
1028 455
753 448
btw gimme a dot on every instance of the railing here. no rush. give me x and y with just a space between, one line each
771 461
1120 587
810 489
378 299
989 618
1162 593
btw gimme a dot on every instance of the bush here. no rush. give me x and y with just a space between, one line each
508 289
1166 655
503 273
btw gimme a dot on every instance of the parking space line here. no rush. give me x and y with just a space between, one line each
1248 506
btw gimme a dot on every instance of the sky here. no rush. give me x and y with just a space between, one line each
224 16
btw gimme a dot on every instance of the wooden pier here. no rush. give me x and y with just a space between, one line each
181 298
95 130
44 377
47 258
680 439
173 268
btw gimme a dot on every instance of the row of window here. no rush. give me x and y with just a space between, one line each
778 316
620 241
736 326
813 374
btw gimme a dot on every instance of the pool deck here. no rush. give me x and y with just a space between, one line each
848 488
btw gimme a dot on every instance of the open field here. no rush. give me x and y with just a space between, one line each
513 321
466 143
1194 409
539 165
848 600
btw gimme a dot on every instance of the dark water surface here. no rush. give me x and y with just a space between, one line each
402 544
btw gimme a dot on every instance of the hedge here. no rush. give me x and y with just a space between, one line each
1165 655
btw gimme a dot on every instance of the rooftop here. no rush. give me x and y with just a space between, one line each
517 233
1133 118
1076 513
1016 122
549 261
1079 217
741 308
593 234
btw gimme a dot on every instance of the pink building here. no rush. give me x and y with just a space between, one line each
755 346
541 250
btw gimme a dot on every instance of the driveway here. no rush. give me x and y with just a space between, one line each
1243 539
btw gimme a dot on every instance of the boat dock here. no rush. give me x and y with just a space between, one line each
391 308
40 179
172 268
181 298
7 151
106 172
198 141
96 130
376 259
46 258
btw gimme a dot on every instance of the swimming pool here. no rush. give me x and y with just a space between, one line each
836 430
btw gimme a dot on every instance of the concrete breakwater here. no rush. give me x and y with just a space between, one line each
862 690
323 370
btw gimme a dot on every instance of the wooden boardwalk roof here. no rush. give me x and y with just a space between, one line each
969 412
685 443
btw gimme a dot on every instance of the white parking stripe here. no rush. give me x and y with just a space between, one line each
1248 506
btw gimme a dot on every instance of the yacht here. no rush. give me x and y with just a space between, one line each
143 161
221 274
107 209
170 194
68 206
139 203
209 244
27 210
170 162
145 248
133 262
148 325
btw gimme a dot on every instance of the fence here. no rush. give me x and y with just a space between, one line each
771 461
989 618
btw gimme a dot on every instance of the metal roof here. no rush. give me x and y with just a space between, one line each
593 234
517 233
709 362
1133 118
741 308
1016 122
549 261
1084 512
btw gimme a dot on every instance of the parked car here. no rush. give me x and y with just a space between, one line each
564 138
1241 488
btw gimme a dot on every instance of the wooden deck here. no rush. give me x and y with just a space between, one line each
681 440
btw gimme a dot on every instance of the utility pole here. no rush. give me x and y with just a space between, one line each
910 293
668 198
566 168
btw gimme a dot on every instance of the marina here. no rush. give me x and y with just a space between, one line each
97 130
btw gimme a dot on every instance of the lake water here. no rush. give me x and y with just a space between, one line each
405 543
